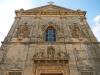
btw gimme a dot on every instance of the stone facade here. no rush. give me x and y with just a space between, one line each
26 52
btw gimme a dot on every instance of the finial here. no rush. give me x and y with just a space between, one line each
50 3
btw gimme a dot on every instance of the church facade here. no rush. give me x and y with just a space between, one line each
50 40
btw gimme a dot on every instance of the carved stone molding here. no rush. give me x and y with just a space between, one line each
50 52
76 31
51 56
49 24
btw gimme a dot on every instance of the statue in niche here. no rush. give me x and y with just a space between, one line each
23 30
50 52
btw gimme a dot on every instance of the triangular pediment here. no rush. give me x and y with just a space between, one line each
51 8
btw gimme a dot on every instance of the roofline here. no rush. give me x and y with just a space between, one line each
33 10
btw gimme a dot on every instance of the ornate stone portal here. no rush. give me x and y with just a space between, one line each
50 40
51 63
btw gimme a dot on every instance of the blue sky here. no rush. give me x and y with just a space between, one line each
91 6
8 7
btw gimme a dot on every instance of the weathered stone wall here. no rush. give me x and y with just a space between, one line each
25 49
66 28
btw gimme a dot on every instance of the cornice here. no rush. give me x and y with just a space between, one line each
55 43
51 13
50 10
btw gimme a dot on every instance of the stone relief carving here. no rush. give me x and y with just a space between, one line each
43 27
62 55
75 31
23 31
50 52
49 24
85 30
39 55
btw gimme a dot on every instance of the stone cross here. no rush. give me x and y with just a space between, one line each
50 3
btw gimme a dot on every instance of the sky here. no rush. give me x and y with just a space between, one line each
8 7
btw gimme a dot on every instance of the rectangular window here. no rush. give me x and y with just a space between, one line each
50 35
51 74
87 73
14 73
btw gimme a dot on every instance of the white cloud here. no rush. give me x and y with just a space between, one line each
97 19
7 14
96 28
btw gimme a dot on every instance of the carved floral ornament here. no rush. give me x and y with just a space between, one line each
23 31
51 53
49 24
76 31
52 25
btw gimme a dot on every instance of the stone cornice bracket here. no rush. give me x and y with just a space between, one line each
18 12
81 12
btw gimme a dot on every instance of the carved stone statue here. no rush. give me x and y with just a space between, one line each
50 52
